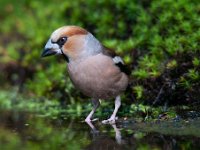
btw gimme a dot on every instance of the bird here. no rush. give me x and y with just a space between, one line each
97 71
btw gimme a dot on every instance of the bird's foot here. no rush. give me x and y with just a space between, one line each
94 130
111 120
91 120
88 120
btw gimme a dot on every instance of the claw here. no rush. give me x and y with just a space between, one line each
89 120
111 120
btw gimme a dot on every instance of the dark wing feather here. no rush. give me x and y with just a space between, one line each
111 53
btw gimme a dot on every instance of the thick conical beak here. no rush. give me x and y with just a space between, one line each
47 52
50 49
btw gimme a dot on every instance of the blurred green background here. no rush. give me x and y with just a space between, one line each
158 39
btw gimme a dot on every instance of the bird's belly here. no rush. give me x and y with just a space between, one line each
96 87
104 81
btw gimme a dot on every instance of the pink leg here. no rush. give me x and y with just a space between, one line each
117 105
96 104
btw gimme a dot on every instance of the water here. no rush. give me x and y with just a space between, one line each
21 130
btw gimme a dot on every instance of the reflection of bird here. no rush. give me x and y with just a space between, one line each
94 69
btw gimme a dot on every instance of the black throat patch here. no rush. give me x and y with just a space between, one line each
65 56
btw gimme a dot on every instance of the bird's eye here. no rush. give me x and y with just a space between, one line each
62 41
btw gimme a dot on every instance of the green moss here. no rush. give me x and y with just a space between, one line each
196 61
171 64
138 90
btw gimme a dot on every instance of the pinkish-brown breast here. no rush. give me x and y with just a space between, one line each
98 77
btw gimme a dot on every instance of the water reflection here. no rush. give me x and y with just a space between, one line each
118 136
21 130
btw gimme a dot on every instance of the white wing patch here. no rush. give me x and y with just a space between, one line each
117 60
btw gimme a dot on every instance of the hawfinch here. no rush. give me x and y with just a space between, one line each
93 69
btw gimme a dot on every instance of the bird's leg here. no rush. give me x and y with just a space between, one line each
117 105
96 104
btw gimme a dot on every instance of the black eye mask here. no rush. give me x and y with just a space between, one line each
61 41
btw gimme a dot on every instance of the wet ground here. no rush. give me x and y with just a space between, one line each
20 130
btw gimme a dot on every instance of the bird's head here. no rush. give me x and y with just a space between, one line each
72 42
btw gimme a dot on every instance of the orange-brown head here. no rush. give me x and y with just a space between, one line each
72 42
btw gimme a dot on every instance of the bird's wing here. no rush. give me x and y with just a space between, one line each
117 59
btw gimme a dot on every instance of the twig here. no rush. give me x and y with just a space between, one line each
159 94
